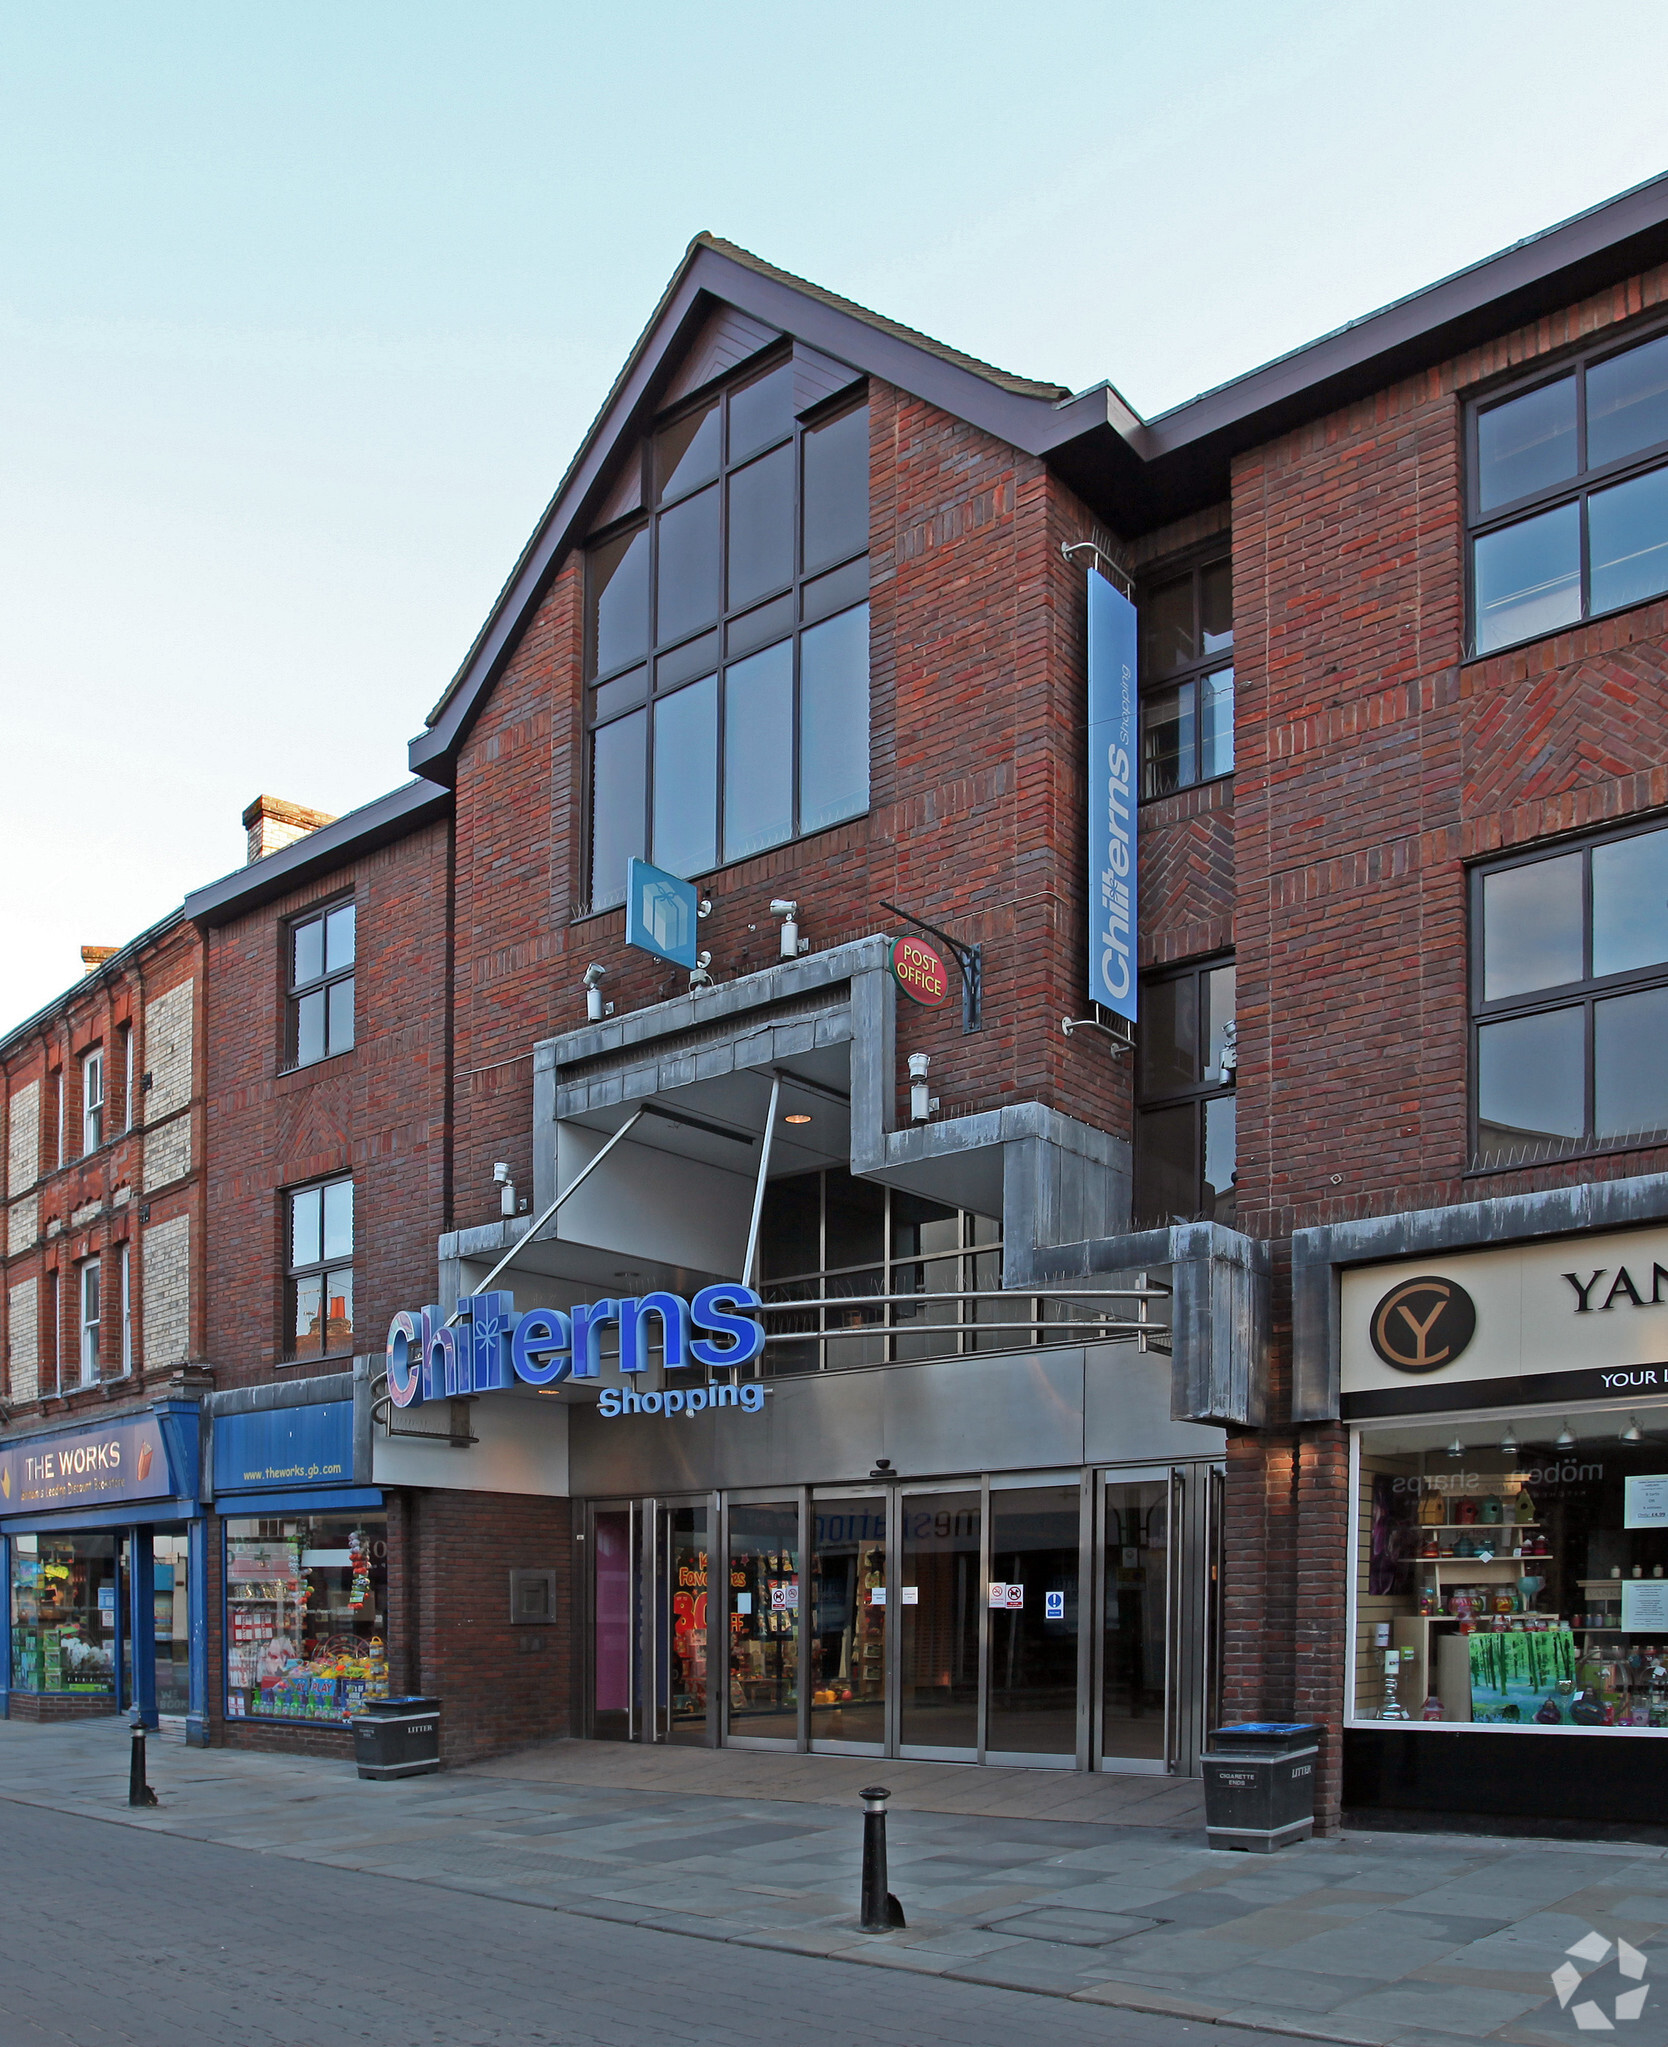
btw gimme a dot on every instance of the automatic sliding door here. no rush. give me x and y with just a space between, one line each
1135 1666
938 1616
685 1546
764 1621
847 1624
613 1611
1035 1532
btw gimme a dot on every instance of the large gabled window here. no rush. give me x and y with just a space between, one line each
727 636
1568 494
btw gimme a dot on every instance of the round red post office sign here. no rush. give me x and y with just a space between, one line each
919 970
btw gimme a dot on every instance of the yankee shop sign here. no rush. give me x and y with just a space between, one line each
490 1347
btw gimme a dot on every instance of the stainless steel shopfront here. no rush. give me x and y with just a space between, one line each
1060 1619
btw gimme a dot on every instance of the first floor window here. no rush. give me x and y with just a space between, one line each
1186 1165
306 1616
1570 998
1187 679
319 1281
89 1321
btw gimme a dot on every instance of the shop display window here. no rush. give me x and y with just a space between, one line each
306 1616
1510 1574
764 1620
63 1597
848 1620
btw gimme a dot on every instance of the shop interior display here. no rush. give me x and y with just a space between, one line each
1513 1583
64 1614
764 1620
306 1619
848 1638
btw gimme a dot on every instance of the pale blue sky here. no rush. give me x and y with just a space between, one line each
303 309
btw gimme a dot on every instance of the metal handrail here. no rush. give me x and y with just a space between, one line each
1012 1293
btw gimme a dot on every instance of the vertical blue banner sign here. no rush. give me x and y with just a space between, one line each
1112 757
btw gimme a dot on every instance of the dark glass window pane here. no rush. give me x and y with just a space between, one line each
1630 1075
1627 403
309 1028
338 1219
1219 1013
764 1619
306 1222
835 591
769 622
938 1667
790 1229
623 691
1220 1158
761 412
1166 740
758 752
856 1222
687 595
1627 541
1169 1051
308 943
306 1314
338 1311
834 720
617 797
686 779
619 577
338 940
1528 578
1167 640
1526 444
1216 607
1216 723
1630 903
761 528
1530 1087
1034 1537
920 1227
686 453
694 657
1532 927
837 489
1166 1164
340 1023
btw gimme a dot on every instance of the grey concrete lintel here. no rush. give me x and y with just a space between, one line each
1320 1255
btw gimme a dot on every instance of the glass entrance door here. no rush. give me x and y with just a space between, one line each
1135 1658
847 1625
684 1548
938 1624
613 1623
1035 1538
764 1622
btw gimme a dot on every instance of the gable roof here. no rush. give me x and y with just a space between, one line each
1137 474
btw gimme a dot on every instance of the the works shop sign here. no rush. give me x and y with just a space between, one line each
1572 1318
98 1467
491 1348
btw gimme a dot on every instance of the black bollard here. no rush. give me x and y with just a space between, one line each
881 1911
138 1791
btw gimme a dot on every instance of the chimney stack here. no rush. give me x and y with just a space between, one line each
273 824
94 956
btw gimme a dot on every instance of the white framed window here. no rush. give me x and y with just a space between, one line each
59 1332
89 1287
125 1272
58 1119
127 1077
92 1099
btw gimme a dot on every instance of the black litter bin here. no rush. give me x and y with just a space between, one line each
1260 1784
397 1737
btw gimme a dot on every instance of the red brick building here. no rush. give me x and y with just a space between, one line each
1287 1349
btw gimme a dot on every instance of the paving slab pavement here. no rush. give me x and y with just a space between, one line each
1372 1940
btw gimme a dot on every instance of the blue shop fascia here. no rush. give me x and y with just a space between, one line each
208 1554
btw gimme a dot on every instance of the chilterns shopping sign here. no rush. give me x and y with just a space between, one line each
1112 757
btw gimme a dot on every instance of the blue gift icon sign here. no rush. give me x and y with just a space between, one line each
661 913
